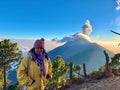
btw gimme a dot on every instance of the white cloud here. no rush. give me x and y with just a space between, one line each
49 44
25 45
118 5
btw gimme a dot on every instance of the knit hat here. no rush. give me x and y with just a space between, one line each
39 43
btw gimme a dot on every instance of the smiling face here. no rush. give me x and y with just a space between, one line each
39 50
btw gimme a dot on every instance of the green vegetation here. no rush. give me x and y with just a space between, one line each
60 73
115 61
60 70
9 54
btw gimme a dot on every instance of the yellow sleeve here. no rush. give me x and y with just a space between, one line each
22 76
50 67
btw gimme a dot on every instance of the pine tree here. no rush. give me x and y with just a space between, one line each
115 60
60 70
9 54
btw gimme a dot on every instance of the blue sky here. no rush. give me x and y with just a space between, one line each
58 18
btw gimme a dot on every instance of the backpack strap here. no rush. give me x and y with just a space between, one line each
28 65
28 70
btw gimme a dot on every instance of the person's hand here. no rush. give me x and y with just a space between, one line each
32 82
48 77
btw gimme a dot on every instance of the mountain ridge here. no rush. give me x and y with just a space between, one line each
79 50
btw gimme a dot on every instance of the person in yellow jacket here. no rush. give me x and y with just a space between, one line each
40 69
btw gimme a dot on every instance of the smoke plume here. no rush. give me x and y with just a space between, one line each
87 28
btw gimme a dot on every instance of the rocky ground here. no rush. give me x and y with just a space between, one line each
102 84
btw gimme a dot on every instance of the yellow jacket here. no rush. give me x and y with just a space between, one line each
35 74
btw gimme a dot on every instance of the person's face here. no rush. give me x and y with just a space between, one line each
39 50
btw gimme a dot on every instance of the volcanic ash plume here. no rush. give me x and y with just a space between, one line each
87 28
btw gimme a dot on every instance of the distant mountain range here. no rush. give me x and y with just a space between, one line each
79 49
